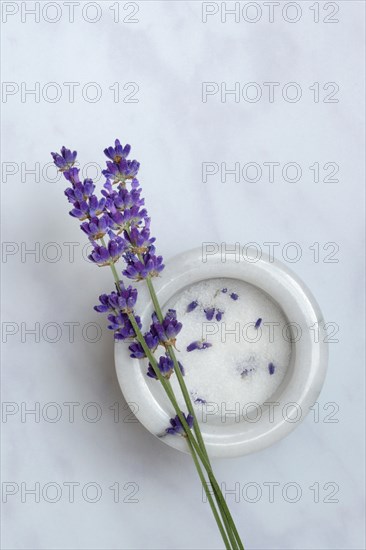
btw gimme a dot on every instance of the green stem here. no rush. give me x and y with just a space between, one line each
115 274
209 497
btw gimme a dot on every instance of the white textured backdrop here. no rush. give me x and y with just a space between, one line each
138 72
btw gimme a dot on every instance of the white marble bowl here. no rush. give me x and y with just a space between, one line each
298 391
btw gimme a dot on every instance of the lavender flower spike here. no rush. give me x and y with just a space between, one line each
176 427
166 367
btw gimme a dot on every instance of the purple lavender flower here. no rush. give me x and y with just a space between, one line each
176 427
210 312
271 368
122 220
152 342
124 300
108 255
124 207
80 191
192 306
122 170
65 160
82 210
86 205
72 175
224 290
96 228
117 152
118 210
198 344
139 240
122 326
168 329
122 198
234 296
88 209
165 365
136 350
148 266
258 323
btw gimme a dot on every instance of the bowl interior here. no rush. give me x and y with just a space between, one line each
240 400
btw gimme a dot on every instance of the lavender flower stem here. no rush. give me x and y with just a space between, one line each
236 543
209 497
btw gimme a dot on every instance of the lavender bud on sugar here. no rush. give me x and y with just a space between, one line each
219 315
210 312
258 323
234 296
198 345
192 306
271 368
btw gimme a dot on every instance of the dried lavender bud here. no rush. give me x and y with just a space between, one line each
198 345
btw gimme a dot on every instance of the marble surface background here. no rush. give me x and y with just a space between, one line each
130 491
